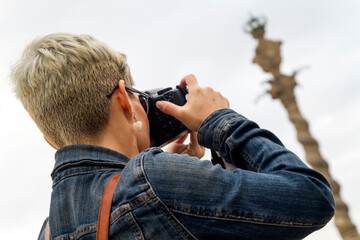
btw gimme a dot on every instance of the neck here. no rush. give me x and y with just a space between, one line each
119 137
121 145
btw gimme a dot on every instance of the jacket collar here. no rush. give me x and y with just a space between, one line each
74 155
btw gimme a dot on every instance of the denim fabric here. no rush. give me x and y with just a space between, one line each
272 194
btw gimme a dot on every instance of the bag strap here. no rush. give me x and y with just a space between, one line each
105 208
104 211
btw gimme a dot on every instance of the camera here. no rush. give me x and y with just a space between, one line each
165 128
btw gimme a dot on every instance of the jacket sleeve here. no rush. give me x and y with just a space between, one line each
272 194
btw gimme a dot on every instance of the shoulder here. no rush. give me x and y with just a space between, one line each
179 178
159 163
171 177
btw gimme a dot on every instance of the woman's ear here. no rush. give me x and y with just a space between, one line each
124 100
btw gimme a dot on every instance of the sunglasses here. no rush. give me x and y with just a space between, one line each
143 97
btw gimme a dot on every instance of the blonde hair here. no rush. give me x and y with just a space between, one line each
62 81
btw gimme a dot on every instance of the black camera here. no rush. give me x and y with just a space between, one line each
165 128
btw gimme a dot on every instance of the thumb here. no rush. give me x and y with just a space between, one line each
181 139
168 108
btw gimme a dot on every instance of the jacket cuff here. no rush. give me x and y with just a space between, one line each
215 125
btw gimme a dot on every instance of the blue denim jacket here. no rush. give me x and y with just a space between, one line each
272 194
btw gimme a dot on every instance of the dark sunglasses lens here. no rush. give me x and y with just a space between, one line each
144 103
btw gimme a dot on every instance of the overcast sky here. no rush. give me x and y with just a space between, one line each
165 40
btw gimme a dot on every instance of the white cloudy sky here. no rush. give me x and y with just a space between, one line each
164 41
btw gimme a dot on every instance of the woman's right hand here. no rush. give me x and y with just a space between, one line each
201 102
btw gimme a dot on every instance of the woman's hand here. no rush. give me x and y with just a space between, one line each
201 102
192 149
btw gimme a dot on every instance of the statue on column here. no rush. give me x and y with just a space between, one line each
282 87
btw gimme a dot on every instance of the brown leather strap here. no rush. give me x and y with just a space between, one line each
105 208
104 212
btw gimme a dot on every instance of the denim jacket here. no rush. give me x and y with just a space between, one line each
271 194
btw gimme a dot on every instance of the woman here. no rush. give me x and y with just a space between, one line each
64 81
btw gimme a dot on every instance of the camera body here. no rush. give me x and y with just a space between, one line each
165 128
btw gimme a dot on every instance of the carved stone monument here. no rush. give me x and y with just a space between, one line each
282 87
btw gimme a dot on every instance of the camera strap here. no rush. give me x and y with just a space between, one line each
103 223
216 159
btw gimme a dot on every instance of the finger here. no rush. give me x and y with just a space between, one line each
182 149
200 150
168 108
189 80
181 139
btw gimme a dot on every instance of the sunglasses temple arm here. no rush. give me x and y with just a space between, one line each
131 89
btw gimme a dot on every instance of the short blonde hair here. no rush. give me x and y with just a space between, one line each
62 81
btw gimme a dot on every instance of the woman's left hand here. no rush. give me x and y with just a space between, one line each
192 149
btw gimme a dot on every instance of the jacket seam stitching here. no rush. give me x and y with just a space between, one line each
134 226
79 233
119 212
79 173
93 227
161 202
242 218
224 125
